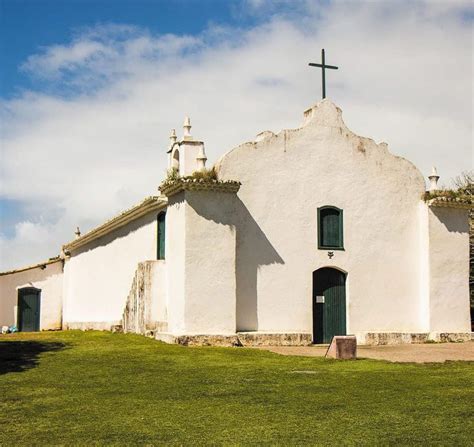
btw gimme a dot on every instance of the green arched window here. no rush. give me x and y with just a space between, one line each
161 235
330 228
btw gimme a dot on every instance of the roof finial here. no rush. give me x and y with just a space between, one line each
433 178
77 233
201 158
173 137
187 128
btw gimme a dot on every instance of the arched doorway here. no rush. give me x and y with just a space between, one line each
329 304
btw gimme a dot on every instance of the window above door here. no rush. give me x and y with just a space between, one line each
330 228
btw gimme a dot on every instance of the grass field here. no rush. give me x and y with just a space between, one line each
100 388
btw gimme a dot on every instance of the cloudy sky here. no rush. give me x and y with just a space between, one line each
90 91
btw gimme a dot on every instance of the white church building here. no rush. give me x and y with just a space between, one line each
300 236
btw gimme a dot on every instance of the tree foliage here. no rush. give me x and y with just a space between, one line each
464 184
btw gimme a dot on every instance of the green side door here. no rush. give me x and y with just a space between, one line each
161 235
29 310
329 304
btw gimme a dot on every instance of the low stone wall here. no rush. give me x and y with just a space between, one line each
239 339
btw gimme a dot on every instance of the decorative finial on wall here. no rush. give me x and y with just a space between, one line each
77 233
173 137
201 158
433 178
187 128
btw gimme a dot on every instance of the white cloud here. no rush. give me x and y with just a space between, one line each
405 78
60 58
30 238
105 53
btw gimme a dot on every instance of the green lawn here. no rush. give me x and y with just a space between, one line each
102 388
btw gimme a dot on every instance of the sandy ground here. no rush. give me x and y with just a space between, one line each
419 353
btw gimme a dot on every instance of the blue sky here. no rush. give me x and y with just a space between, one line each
91 88
29 25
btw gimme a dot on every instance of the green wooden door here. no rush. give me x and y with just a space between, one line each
161 235
329 304
28 310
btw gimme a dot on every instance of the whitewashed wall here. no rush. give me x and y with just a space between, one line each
285 178
49 280
210 281
159 303
98 276
175 261
449 270
201 263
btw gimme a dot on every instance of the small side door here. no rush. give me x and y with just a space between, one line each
29 309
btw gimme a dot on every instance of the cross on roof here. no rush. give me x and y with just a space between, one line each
323 66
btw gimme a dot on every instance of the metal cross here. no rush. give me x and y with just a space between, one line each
323 66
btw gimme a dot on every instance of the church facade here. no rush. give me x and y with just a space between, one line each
291 239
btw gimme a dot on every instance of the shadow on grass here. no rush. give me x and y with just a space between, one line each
19 356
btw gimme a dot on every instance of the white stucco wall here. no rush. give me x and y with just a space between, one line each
210 281
159 303
184 156
449 269
285 178
98 276
424 264
201 263
49 280
175 261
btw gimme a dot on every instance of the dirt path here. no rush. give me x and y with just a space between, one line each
419 353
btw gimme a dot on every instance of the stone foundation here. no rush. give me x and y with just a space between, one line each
305 339
239 339
198 340
275 339
398 338
450 337
92 325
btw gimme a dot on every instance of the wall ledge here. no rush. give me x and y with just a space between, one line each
183 184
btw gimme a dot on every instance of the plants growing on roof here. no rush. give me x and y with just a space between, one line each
172 175
204 175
